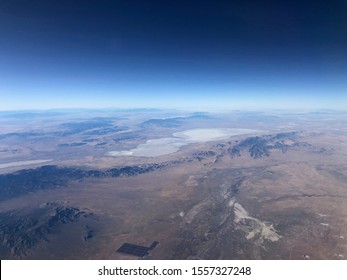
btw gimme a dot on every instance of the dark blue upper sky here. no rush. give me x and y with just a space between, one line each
171 53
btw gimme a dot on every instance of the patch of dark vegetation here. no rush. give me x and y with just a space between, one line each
261 146
21 232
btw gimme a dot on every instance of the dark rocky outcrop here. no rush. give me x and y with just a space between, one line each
261 146
203 154
174 122
50 176
20 232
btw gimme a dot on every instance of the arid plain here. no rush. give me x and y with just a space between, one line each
238 185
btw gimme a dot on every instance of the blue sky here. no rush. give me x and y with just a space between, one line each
173 54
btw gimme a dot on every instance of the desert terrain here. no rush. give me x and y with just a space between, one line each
235 185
